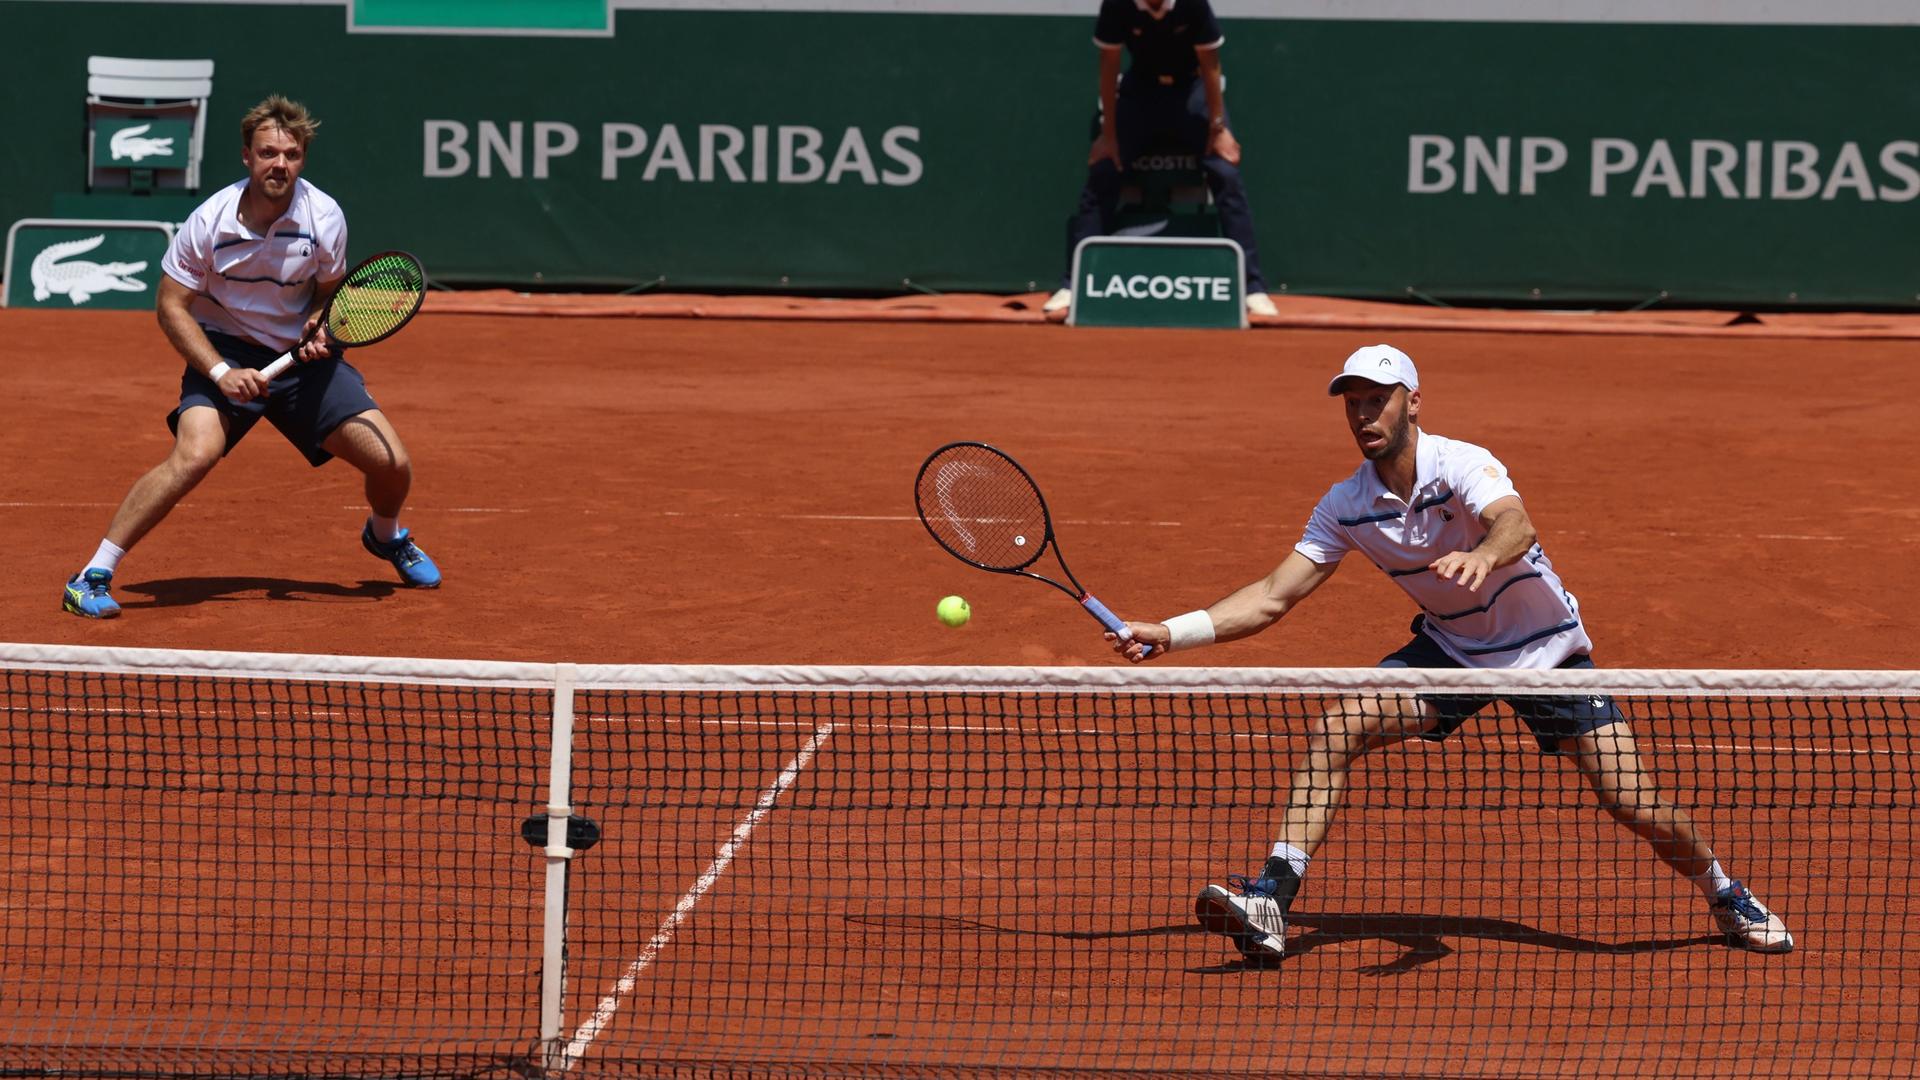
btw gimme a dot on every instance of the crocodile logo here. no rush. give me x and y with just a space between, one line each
81 280
131 143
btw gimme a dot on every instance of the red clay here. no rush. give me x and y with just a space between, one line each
625 490
678 491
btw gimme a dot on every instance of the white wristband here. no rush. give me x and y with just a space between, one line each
1190 631
219 369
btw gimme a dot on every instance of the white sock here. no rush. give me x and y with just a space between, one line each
107 557
384 528
1298 859
1714 881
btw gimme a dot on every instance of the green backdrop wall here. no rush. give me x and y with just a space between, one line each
847 150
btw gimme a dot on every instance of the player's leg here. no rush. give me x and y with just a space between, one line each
201 436
368 442
1255 919
1609 759
324 410
1352 728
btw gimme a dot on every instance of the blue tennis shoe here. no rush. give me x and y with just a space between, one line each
88 597
415 568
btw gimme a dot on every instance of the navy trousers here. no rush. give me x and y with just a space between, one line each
1150 116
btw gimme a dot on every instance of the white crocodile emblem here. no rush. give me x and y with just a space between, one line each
131 143
81 280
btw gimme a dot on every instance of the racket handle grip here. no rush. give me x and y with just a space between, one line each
283 363
1111 621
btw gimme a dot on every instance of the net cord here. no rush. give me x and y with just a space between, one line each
1114 678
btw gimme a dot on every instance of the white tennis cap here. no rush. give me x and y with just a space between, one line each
1383 364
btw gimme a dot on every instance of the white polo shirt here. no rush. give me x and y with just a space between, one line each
1521 617
258 285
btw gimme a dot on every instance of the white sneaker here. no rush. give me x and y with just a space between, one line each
1253 920
1059 301
1261 304
1748 922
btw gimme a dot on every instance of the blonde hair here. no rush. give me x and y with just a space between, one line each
289 116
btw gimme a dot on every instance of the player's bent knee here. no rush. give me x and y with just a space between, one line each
1346 729
193 459
394 463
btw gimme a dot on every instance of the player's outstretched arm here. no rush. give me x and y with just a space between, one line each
1245 612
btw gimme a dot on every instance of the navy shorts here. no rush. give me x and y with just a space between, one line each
1551 718
306 403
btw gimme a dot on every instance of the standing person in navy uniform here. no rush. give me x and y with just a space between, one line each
247 276
1173 91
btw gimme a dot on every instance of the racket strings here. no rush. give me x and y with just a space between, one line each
376 299
983 508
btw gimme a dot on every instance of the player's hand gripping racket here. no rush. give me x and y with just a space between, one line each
372 304
987 512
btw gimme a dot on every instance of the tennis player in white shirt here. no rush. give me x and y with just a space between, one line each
246 276
1442 519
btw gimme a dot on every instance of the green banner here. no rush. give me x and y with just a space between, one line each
93 264
1188 282
483 16
871 150
141 143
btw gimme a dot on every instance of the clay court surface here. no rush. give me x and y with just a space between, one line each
619 490
701 491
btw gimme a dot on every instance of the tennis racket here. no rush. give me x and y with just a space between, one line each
987 512
377 298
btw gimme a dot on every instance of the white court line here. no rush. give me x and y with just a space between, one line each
611 1003
1756 748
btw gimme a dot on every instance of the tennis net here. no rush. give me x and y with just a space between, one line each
224 864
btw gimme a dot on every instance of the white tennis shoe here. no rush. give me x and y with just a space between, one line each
1261 304
1747 921
1253 920
1058 303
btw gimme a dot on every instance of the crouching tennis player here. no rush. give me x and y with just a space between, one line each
247 274
1442 518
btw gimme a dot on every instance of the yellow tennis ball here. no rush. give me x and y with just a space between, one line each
954 611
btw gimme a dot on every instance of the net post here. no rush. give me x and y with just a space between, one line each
553 973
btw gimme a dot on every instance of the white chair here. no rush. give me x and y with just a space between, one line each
123 87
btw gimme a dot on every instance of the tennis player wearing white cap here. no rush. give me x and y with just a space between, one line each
1442 519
